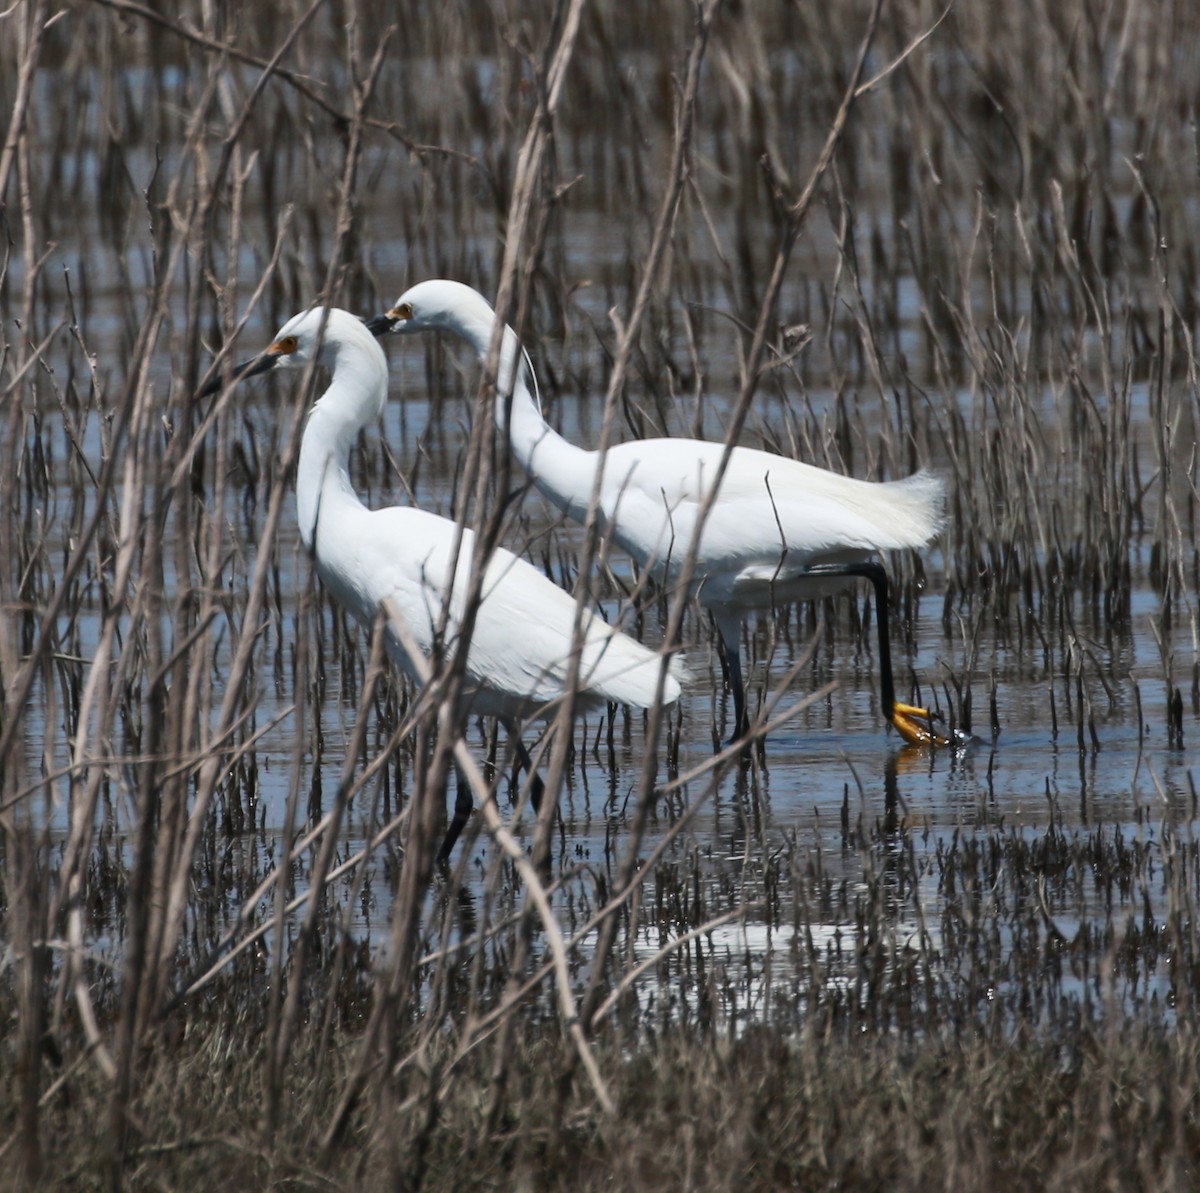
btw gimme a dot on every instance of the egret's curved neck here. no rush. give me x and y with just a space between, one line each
564 473
355 397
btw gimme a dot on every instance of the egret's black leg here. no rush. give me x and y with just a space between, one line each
741 722
874 571
729 634
537 789
537 793
463 806
906 717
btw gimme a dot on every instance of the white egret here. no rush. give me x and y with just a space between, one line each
524 635
778 530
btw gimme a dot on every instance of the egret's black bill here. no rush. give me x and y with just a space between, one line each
248 368
381 324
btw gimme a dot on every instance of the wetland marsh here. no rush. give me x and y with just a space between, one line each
876 237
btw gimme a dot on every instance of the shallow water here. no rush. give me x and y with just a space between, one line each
833 765
835 830
829 779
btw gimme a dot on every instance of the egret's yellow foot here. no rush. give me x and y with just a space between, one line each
907 718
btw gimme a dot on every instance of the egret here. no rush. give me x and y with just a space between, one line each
777 531
520 651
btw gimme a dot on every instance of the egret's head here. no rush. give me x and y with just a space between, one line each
296 342
430 306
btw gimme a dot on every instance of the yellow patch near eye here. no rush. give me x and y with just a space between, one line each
403 311
284 347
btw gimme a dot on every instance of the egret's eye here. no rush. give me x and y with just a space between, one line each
401 311
285 346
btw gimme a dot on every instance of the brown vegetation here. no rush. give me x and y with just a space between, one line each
875 236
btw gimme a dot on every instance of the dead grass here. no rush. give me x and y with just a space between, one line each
768 1110
856 233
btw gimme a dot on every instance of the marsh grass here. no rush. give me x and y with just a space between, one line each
702 1113
871 236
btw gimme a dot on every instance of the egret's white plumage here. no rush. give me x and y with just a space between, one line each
779 530
524 634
